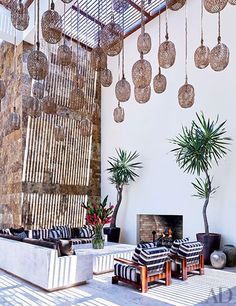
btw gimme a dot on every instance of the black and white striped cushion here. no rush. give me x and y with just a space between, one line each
55 234
191 250
142 246
126 272
65 231
154 259
81 240
176 244
87 231
39 233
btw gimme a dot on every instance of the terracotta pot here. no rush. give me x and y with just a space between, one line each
211 243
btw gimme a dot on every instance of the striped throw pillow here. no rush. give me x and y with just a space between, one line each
142 246
42 233
191 250
55 234
176 244
65 231
87 231
126 272
154 259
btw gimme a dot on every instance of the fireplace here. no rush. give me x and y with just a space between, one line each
154 227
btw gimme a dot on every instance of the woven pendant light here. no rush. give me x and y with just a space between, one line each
202 53
19 15
142 95
48 105
144 43
215 6
78 80
177 5
159 83
123 90
106 78
2 90
120 6
59 133
8 4
76 99
142 73
219 56
64 55
14 120
66 1
86 127
51 25
95 111
98 59
38 90
112 39
232 2
119 114
34 107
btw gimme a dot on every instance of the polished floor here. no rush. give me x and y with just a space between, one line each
216 287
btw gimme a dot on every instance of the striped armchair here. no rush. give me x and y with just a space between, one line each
187 257
148 264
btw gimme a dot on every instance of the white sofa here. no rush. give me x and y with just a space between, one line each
42 267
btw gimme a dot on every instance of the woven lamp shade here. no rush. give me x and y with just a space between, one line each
2 90
159 83
14 120
66 1
37 65
51 26
106 78
19 16
34 107
76 99
95 111
59 133
186 95
38 90
202 57
144 43
123 90
64 55
86 127
219 57
112 39
166 54
8 4
48 105
142 73
142 95
98 59
233 2
215 6
120 6
119 114
177 5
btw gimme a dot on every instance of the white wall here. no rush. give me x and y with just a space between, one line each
162 187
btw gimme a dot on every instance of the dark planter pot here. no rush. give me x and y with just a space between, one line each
211 243
113 234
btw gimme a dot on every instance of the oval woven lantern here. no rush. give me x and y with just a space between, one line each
98 59
95 111
144 43
214 6
159 83
73 63
8 4
106 77
37 65
166 54
19 16
2 89
142 73
51 26
86 127
175 6
14 120
59 133
219 57
186 95
34 107
79 80
66 1
120 6
142 95
119 114
64 55
233 2
76 99
123 90
38 90
48 105
112 39
202 57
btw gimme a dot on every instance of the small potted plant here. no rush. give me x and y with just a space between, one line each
122 170
197 149
98 214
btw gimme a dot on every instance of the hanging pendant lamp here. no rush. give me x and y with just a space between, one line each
78 80
120 6
98 59
177 5
48 105
144 42
2 89
76 98
232 2
142 73
95 111
66 1
214 6
106 77
86 127
14 120
112 39
38 90
119 114
59 133
142 94
34 107
19 15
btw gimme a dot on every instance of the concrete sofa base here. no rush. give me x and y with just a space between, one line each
42 267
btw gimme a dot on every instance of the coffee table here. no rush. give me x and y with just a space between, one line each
103 259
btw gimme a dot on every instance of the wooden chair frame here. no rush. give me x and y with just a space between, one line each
144 278
186 268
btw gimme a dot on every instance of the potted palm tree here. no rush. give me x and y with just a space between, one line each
197 149
122 170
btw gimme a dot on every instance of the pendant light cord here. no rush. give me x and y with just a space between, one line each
123 49
167 34
64 22
77 29
202 40
186 45
142 17
219 29
159 35
15 68
37 43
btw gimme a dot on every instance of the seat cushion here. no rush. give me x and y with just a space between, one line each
64 229
81 240
191 250
154 258
126 272
176 244
87 231
42 233
142 246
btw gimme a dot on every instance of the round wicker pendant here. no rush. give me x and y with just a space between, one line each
38 90
177 5
166 54
219 57
112 39
48 105
159 83
59 133
119 114
34 107
2 89
8 4
79 80
186 95
86 127
142 73
66 1
106 77
142 95
123 90
76 99
95 111
51 26
120 6
233 2
64 55
19 16
14 120
202 57
215 6
98 59
144 43
37 65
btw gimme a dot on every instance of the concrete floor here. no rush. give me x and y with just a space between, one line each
216 287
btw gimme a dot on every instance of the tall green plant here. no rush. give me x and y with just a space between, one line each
197 149
123 170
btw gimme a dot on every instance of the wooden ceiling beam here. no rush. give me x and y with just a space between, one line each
98 22
138 8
